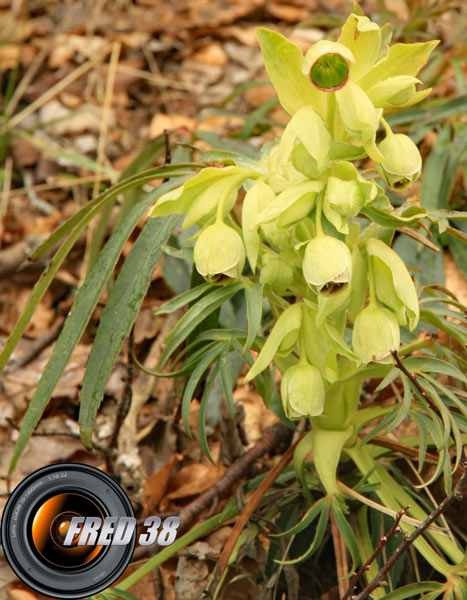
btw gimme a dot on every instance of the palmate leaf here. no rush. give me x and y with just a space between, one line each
119 315
78 317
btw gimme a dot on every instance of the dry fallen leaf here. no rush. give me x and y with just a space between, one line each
193 479
160 122
155 486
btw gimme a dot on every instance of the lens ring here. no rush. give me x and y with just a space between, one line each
18 543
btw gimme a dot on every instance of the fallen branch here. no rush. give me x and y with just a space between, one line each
272 438
458 492
245 515
382 542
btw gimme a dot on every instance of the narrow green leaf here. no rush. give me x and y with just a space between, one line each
316 543
202 413
226 379
346 532
207 359
444 390
307 519
195 315
414 589
182 299
119 315
80 313
429 317
102 199
419 364
254 307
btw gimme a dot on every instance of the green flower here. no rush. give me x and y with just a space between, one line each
327 264
219 251
328 65
302 391
375 334
402 162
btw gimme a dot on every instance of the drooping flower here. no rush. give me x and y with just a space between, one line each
327 263
375 334
402 162
302 391
219 251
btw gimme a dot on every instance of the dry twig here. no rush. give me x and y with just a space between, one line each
458 492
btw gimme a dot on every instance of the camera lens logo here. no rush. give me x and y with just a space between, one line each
68 531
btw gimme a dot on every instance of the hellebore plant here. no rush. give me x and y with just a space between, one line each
316 233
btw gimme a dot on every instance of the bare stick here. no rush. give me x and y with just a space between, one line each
458 492
340 552
413 379
245 515
382 542
272 438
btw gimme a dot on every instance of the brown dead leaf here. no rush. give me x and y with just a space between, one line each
399 8
155 486
24 153
193 479
289 13
214 54
258 416
455 281
259 94
160 122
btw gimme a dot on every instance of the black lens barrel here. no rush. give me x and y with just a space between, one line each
29 531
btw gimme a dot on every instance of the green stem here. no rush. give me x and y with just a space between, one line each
331 112
371 274
319 210
386 126
185 540
220 206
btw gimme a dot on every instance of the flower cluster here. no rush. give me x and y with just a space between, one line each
301 225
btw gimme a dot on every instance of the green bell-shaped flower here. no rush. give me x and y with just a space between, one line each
327 264
219 251
375 334
402 162
302 391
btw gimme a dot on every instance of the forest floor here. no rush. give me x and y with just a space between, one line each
85 86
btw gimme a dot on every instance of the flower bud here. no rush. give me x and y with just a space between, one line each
327 263
219 251
402 161
375 334
276 272
302 391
